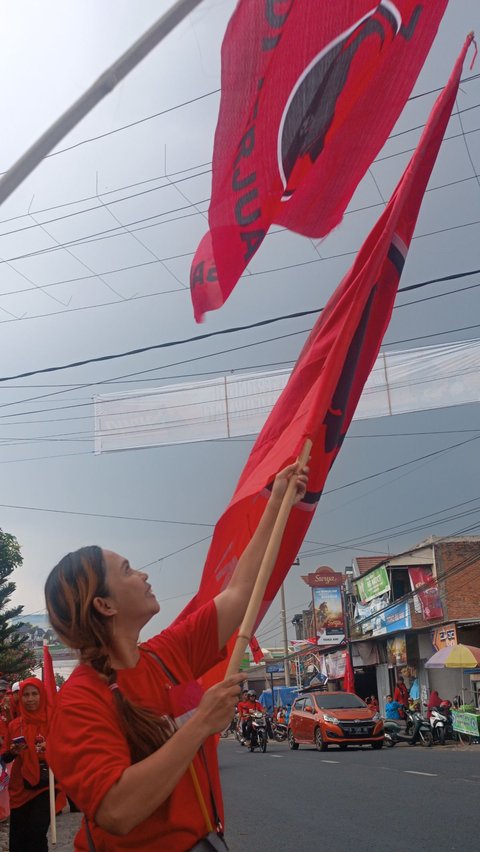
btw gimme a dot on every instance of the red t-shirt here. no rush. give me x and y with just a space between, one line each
88 752
244 708
19 794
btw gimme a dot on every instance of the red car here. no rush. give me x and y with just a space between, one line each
333 718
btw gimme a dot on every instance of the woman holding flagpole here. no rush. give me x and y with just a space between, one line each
131 735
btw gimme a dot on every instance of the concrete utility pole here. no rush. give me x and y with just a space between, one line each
103 86
283 616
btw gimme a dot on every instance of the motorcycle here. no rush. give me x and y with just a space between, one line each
276 730
258 731
441 722
417 730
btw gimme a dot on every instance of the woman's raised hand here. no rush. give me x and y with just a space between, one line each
283 478
217 706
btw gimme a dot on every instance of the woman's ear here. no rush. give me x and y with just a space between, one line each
104 606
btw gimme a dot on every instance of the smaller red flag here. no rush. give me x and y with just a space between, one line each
257 652
49 677
349 677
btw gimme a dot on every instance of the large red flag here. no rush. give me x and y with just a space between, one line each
324 388
310 92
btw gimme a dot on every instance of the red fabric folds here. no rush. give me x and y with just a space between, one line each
49 678
309 97
324 388
349 677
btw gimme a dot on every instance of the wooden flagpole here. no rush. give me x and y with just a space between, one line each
53 816
101 87
266 568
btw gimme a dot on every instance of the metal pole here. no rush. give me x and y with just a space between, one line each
102 86
283 616
273 692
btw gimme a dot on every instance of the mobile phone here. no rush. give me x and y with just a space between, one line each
19 740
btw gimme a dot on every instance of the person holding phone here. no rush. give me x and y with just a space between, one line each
26 747
132 719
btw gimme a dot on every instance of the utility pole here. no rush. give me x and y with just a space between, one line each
283 616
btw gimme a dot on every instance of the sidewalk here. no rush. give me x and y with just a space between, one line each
67 827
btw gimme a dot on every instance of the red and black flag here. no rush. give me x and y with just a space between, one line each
310 92
325 386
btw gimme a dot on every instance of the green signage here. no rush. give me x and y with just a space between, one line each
465 723
372 585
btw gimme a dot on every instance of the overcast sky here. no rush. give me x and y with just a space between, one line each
50 53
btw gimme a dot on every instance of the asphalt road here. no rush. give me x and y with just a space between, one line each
381 801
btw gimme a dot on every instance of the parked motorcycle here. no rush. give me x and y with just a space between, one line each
438 724
276 730
418 730
258 732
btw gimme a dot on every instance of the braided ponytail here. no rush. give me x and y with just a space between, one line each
69 591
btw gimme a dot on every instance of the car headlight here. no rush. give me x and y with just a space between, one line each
332 719
376 717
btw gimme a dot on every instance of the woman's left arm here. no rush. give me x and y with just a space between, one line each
232 603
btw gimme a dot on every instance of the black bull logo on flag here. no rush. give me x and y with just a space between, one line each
311 107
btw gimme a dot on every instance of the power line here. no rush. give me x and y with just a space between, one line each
107 233
205 336
130 267
102 515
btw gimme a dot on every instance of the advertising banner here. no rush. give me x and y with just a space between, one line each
329 620
372 585
444 636
396 617
364 612
465 723
336 664
397 651
421 578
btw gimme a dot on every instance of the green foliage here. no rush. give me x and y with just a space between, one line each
16 658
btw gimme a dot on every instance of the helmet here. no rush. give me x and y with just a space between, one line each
252 694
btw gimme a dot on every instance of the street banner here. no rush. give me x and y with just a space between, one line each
397 651
310 93
444 637
396 617
320 398
372 585
423 582
329 616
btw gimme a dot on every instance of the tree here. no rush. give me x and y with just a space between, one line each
16 658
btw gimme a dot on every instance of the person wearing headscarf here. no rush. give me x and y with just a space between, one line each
433 701
26 746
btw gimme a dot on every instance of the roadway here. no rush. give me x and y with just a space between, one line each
381 801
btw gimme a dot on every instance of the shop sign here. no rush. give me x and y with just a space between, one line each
329 619
444 637
372 585
465 723
327 577
397 651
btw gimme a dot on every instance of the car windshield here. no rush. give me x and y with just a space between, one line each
342 701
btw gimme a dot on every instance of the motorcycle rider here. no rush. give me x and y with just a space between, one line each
247 707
